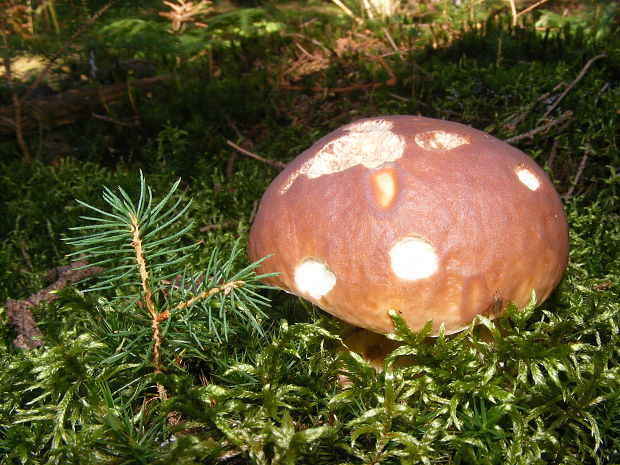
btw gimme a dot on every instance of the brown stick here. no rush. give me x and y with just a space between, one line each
392 77
19 312
574 83
276 164
68 107
563 117
531 7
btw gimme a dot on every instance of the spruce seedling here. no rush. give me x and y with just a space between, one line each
139 244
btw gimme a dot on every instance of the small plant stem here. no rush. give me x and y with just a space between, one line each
155 316
225 288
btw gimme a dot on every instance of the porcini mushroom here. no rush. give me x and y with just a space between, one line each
430 218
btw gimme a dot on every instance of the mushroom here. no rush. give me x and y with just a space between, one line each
430 218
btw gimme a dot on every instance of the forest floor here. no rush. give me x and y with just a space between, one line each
177 362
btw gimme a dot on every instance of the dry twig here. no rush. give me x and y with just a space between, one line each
515 14
348 11
512 121
276 164
574 83
19 312
563 117
391 40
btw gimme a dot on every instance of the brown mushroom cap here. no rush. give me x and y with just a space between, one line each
430 218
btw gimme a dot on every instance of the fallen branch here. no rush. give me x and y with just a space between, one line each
19 312
574 83
276 164
563 117
70 106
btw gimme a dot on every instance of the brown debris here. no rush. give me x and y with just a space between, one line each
350 49
19 312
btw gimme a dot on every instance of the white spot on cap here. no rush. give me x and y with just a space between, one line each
369 143
413 258
528 177
314 278
440 140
